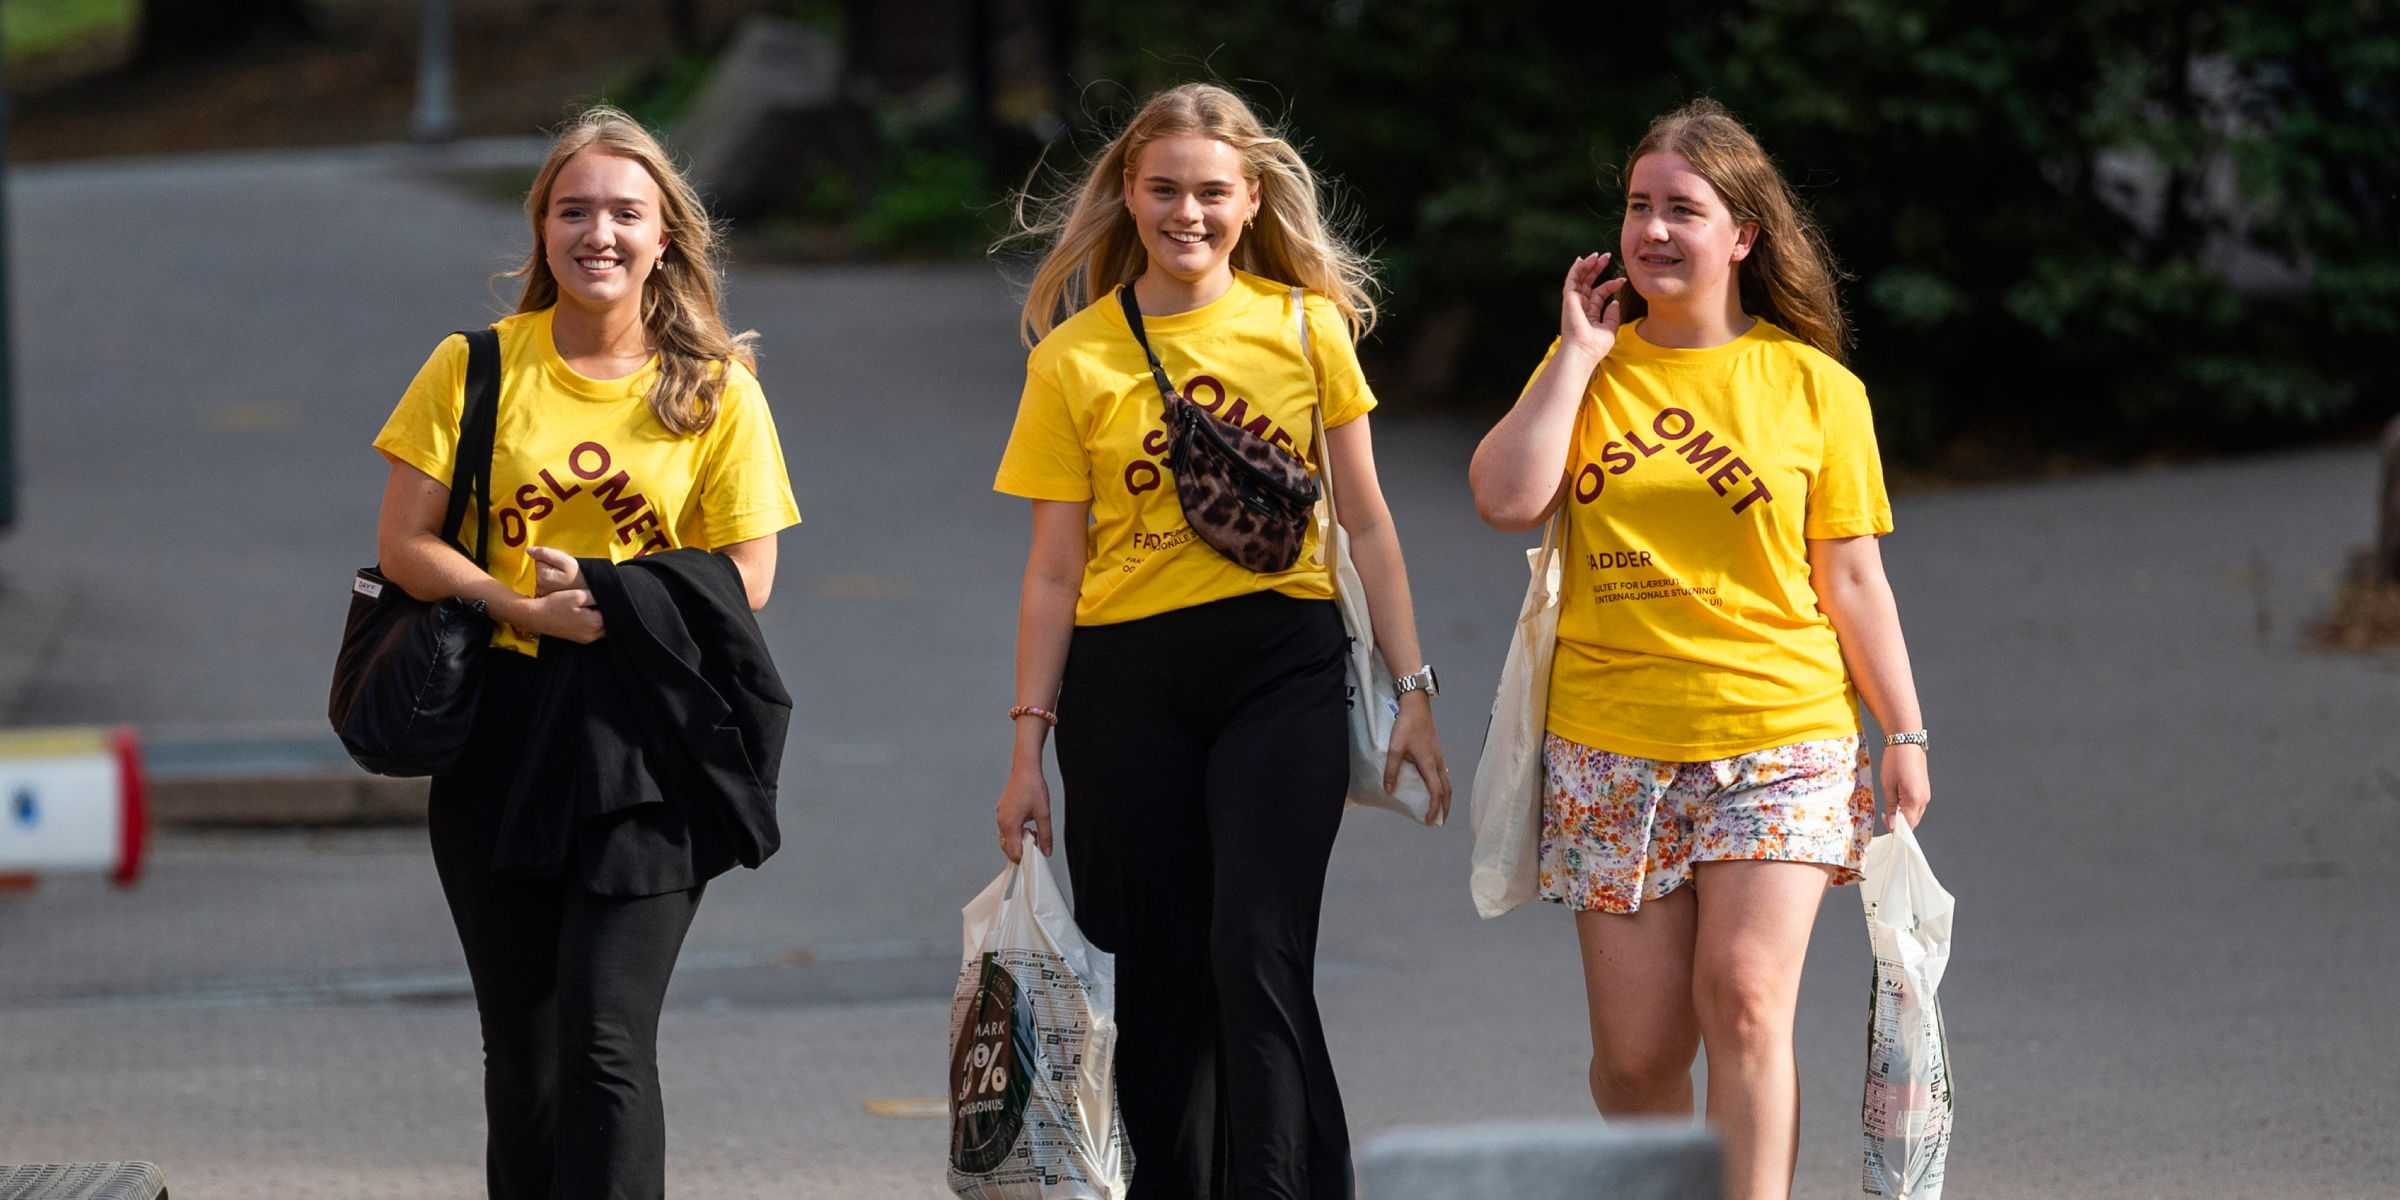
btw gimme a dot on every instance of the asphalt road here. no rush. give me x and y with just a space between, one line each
2169 826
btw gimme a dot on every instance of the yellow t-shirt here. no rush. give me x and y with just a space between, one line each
581 465
1090 427
1690 630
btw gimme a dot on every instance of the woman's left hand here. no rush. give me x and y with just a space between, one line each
1414 741
554 571
1907 784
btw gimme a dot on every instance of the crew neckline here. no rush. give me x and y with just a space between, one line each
1244 286
1630 337
576 382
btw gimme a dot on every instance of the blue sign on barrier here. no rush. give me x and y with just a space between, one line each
26 808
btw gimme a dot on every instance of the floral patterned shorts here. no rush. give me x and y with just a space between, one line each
1619 830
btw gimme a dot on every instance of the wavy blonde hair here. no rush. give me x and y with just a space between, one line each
679 299
1790 274
1091 246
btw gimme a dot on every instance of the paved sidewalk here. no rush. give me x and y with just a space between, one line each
2169 827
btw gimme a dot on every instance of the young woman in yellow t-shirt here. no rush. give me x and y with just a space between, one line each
1199 705
1725 607
629 424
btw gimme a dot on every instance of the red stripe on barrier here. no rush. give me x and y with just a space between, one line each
133 825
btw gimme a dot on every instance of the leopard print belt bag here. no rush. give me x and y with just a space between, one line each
1248 500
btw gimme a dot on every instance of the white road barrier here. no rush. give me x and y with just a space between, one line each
71 800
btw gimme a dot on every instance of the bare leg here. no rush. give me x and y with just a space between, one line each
1637 979
1754 920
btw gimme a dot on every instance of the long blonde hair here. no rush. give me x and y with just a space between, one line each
1789 276
1091 245
679 299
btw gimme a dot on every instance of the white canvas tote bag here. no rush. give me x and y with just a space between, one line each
1507 811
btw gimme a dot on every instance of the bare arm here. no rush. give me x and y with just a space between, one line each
1519 473
755 559
1854 594
1375 550
409 545
1045 623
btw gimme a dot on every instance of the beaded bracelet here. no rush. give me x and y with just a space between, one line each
1029 710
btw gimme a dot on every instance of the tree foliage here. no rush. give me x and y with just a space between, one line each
2088 226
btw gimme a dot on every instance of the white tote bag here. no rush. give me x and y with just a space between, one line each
1907 1107
1033 1050
1374 705
1507 812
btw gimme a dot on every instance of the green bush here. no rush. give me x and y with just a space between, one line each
1954 151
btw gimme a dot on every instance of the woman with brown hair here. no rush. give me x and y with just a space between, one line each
1198 702
630 431
1725 608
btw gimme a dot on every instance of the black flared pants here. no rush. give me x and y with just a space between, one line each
1204 762
568 985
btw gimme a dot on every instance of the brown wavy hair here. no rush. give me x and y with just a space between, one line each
1790 276
1090 244
679 299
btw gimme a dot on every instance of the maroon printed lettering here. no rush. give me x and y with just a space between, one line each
1155 442
1683 424
1191 392
1702 457
1141 475
1588 483
1238 410
563 493
535 504
1280 438
612 497
575 460
641 524
1618 458
1758 491
1728 473
512 526
1646 448
658 541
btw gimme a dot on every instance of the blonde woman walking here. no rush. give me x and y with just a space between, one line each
1725 609
636 473
1198 703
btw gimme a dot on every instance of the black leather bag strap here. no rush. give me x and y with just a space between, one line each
471 471
1133 318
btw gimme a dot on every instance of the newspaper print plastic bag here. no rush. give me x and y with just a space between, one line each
1033 1047
1907 1108
1507 812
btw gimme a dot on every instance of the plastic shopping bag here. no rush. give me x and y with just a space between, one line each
1033 1047
1907 1107
1506 870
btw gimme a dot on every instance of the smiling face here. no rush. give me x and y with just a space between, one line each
1189 199
604 229
1680 240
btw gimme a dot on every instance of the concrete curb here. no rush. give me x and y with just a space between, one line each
280 800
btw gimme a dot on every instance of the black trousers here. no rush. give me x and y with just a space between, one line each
1204 757
568 985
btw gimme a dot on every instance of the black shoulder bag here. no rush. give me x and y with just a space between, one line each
1249 500
404 681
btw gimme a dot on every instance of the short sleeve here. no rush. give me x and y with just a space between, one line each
1847 498
1347 396
745 492
1046 458
423 429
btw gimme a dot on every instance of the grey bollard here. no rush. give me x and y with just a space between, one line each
1553 1160
82 1181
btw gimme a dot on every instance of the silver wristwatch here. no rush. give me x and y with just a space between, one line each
1915 737
1422 679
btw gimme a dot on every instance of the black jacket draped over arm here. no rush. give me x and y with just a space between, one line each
655 752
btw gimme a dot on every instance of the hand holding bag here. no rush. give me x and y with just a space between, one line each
1241 495
1508 779
404 679
1374 704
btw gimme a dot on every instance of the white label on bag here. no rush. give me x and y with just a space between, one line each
367 587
